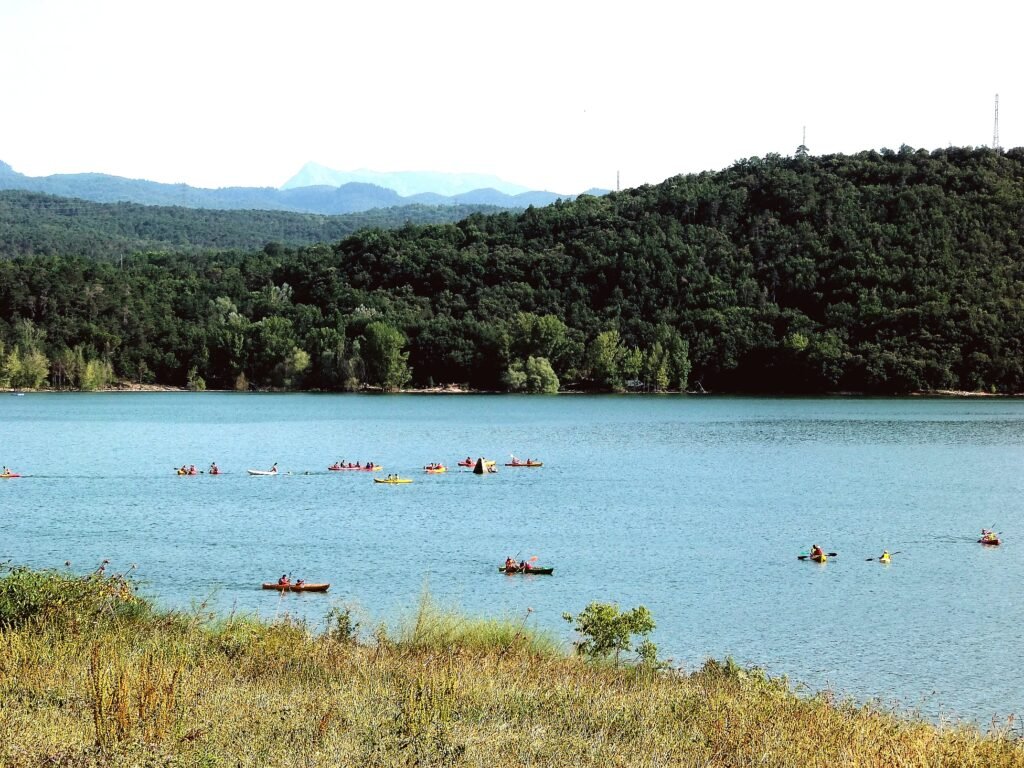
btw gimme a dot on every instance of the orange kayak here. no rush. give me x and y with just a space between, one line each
295 587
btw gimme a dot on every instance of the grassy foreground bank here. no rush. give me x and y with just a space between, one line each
92 675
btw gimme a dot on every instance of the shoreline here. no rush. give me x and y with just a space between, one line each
455 389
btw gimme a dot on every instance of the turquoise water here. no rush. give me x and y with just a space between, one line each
694 507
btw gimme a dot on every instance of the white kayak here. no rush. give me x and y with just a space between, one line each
262 471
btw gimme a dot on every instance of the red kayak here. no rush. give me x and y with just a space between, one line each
989 542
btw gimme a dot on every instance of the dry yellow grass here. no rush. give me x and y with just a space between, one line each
139 688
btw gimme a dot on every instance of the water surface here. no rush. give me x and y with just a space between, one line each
694 507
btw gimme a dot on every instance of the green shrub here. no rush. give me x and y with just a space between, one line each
48 595
604 630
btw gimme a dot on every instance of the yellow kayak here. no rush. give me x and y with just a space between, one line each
392 480
435 470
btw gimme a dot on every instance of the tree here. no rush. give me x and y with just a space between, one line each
34 368
535 375
605 357
604 629
382 353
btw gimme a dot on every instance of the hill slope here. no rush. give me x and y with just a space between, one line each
875 272
37 224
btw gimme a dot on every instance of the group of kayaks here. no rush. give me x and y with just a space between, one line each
818 555
479 466
526 568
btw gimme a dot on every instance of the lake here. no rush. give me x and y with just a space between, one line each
696 507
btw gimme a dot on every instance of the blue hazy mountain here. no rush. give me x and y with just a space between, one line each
405 183
351 197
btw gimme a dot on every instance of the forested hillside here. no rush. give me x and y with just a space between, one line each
876 272
33 224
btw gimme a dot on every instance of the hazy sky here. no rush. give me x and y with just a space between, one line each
553 95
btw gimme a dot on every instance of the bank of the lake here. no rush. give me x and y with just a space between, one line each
90 675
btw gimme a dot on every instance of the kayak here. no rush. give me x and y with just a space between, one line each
435 470
186 474
529 572
262 471
990 542
9 475
295 587
392 480
885 559
370 468
526 464
819 558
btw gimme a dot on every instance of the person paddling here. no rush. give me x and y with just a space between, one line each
510 564
214 469
817 553
886 557
283 581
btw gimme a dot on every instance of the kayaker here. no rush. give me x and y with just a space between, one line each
214 469
816 551
192 470
274 468
885 557
283 581
300 582
510 564
525 566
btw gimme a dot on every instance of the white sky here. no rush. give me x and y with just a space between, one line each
551 94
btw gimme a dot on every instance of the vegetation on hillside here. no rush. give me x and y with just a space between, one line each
93 675
34 224
883 272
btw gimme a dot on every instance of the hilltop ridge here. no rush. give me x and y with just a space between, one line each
351 197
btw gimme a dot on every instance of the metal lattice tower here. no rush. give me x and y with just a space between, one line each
995 128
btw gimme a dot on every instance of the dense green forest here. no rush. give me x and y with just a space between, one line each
37 224
876 272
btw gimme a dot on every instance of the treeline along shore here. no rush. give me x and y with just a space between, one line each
91 674
880 272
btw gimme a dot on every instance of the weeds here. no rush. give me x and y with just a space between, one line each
151 688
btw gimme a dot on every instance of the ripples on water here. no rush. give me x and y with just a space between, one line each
695 507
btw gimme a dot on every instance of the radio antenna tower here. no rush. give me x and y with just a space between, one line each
995 129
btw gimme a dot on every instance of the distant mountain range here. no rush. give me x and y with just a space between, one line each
351 197
405 183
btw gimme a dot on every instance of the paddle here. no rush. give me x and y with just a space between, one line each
869 559
807 557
